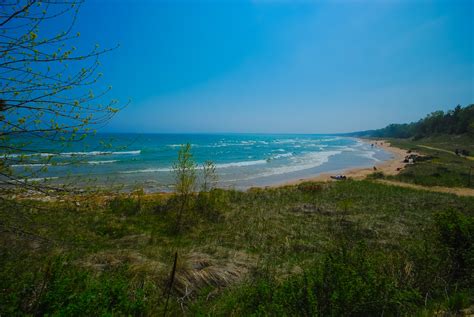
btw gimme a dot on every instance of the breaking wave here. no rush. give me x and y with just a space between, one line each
72 154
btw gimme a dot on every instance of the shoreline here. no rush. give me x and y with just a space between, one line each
389 167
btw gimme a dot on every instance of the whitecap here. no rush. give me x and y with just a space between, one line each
6 155
283 155
97 153
241 164
330 139
71 154
147 170
307 161
370 155
30 165
101 162
180 145
300 163
41 179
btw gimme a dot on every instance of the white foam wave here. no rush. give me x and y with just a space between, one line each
285 141
241 164
369 155
330 139
41 179
345 148
283 155
71 154
179 145
218 166
136 152
299 163
30 165
226 144
61 164
7 155
147 170
101 162
96 153
307 161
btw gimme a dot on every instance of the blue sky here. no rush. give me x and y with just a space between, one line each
281 66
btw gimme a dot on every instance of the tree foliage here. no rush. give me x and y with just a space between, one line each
457 121
47 99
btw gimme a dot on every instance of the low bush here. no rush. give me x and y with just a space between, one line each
127 206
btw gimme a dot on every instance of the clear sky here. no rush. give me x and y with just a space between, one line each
281 66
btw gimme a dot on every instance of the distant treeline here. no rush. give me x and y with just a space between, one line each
458 121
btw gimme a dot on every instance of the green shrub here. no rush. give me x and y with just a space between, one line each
456 232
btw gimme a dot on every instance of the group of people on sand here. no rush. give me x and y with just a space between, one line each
411 158
339 177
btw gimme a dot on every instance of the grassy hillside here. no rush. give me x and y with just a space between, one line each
441 166
348 248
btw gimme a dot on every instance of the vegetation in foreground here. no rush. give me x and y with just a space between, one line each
344 248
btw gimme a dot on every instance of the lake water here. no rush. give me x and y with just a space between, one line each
242 160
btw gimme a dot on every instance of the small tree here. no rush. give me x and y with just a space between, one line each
184 170
208 201
209 176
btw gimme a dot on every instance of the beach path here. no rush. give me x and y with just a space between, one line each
446 151
460 191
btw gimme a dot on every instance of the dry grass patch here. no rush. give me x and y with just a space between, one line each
107 260
198 270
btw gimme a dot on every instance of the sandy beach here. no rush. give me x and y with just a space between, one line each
389 167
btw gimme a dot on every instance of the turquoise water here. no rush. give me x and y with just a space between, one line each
242 160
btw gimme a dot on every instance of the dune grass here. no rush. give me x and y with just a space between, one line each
314 249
